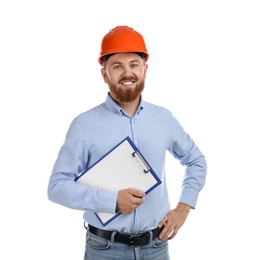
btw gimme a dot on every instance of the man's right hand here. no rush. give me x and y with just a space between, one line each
128 200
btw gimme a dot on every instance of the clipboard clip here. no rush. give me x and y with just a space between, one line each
141 162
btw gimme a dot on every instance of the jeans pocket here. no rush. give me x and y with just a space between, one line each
96 242
158 243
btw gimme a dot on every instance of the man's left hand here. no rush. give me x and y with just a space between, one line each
173 221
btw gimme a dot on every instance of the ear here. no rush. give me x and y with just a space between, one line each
145 69
104 75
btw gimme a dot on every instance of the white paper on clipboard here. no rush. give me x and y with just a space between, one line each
122 167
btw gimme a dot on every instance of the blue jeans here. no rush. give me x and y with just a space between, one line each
101 249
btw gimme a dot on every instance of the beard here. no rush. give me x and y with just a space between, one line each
127 94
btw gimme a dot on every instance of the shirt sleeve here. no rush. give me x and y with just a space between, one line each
72 159
186 151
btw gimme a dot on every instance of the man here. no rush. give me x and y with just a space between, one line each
147 222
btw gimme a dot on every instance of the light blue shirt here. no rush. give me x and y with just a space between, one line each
154 131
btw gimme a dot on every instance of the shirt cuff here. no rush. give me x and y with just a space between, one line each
107 201
189 197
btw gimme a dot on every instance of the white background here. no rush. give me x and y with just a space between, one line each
200 67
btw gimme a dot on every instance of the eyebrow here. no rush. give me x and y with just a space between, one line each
118 62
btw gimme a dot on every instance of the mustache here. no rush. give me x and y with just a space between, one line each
132 78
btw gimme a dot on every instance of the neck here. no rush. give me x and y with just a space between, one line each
129 107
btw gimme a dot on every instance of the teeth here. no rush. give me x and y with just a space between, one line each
127 83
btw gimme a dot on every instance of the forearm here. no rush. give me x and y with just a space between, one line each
63 190
193 181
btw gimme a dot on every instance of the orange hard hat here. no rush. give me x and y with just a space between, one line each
122 39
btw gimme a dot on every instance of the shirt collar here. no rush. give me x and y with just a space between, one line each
115 108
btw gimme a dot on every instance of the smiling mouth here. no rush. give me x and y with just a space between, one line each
127 83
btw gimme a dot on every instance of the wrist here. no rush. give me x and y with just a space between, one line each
184 208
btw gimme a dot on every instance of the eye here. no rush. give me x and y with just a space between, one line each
117 67
134 65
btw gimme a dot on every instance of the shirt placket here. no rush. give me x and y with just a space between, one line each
133 130
137 212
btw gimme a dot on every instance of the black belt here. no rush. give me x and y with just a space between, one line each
140 239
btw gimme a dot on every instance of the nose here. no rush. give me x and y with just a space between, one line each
127 71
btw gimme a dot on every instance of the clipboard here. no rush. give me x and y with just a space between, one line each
122 167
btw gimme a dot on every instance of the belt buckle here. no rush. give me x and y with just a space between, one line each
139 239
